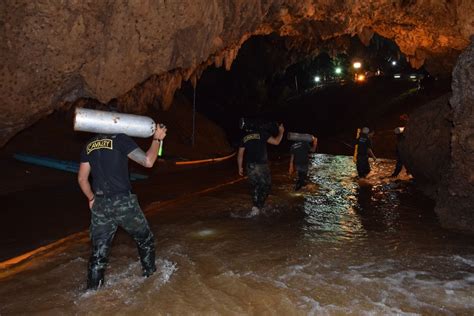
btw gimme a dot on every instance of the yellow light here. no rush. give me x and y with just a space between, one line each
360 77
357 65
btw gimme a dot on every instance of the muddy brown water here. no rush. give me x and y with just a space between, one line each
342 247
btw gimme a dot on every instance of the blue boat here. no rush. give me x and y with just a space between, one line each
64 165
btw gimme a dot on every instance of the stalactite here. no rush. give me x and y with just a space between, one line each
108 58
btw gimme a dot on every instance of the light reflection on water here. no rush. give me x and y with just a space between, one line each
340 247
330 210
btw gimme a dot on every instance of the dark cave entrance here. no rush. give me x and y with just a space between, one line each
311 89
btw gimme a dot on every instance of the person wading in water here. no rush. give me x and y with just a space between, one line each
364 150
111 201
254 145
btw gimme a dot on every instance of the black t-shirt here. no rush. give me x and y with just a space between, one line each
255 144
364 144
107 156
300 150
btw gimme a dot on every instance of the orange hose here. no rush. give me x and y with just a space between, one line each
14 265
205 160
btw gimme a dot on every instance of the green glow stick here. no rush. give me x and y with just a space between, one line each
160 150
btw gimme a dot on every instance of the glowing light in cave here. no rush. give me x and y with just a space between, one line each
360 78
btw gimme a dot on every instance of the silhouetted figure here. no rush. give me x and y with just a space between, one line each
299 160
399 165
110 199
254 145
364 150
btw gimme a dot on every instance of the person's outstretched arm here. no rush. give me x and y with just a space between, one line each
314 144
371 154
369 145
240 160
84 184
291 169
148 159
276 140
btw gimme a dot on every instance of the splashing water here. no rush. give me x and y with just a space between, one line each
341 246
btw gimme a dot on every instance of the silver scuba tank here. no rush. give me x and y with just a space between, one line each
297 137
103 122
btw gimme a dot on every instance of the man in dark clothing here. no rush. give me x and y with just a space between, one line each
254 144
299 160
364 150
110 199
399 165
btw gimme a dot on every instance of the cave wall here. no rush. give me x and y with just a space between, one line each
55 52
426 146
455 204
439 148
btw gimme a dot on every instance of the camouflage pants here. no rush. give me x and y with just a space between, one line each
260 182
107 214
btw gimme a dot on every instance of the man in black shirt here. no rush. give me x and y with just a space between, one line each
299 160
254 144
364 150
110 199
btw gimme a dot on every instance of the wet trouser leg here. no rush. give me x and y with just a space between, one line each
102 231
260 183
107 214
398 168
301 178
132 220
363 167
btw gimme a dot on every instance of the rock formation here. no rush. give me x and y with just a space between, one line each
56 52
439 148
455 204
426 146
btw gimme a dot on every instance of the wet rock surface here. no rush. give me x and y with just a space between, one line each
456 202
55 52
426 146
439 148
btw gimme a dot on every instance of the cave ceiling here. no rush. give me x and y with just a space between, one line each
57 52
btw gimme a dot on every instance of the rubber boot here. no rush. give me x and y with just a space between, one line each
148 263
298 186
98 263
95 278
146 251
301 180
